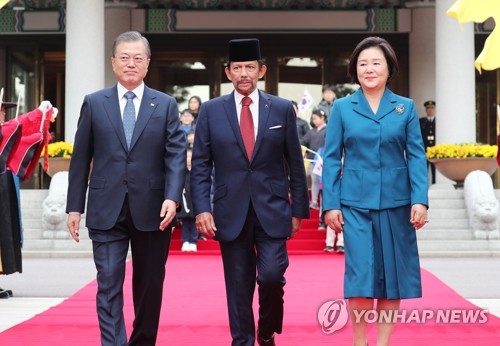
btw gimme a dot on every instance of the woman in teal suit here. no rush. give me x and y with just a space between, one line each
375 187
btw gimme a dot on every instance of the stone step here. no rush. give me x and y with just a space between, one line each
435 192
448 232
446 203
443 234
447 214
463 246
447 224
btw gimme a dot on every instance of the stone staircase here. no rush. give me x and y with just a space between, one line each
447 234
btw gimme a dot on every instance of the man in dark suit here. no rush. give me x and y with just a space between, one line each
428 127
136 181
250 140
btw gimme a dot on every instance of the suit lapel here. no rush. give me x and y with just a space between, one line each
387 104
264 109
361 106
232 118
148 105
112 108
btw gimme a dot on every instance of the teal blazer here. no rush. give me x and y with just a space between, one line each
374 161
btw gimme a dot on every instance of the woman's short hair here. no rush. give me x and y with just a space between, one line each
369 42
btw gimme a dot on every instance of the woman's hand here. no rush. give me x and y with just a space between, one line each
334 220
418 216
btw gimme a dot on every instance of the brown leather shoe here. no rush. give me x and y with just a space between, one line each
266 342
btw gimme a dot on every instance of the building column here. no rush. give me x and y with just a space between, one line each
455 78
84 57
422 45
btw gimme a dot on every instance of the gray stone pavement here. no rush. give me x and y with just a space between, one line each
46 282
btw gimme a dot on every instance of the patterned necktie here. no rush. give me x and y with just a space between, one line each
246 126
129 117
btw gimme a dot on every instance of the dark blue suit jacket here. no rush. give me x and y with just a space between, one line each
274 180
151 171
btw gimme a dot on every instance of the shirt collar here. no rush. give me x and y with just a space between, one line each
139 91
239 97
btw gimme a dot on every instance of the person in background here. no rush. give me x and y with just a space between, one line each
194 105
334 241
375 188
428 127
314 140
185 215
187 120
21 143
131 136
190 139
328 96
302 125
249 137
10 218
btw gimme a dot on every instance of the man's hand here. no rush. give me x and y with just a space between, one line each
295 225
73 224
205 224
168 211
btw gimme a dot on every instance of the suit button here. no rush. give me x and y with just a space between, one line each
125 182
129 160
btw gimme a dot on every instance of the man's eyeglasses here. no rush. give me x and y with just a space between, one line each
138 59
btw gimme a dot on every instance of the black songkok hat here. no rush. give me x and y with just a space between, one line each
244 50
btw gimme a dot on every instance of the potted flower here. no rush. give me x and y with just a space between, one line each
59 154
59 149
455 161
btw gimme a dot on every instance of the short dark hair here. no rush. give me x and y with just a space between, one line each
187 110
330 87
319 112
369 42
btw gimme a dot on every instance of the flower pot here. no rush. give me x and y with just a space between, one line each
456 169
58 164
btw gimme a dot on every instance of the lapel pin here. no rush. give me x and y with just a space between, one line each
152 104
400 109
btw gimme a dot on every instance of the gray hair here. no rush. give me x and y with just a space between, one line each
131 36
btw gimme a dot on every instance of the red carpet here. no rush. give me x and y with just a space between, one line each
194 310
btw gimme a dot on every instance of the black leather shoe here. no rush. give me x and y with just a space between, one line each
266 341
4 295
9 292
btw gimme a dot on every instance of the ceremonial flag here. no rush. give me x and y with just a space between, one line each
478 11
306 101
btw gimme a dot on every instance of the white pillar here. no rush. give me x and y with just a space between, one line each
455 78
422 44
84 57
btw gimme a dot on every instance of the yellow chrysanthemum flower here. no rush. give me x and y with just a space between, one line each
59 149
441 151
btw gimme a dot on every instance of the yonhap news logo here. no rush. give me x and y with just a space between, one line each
333 315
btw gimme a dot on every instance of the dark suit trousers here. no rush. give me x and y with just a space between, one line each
253 253
149 256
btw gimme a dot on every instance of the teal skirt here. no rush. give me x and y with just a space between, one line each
381 254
